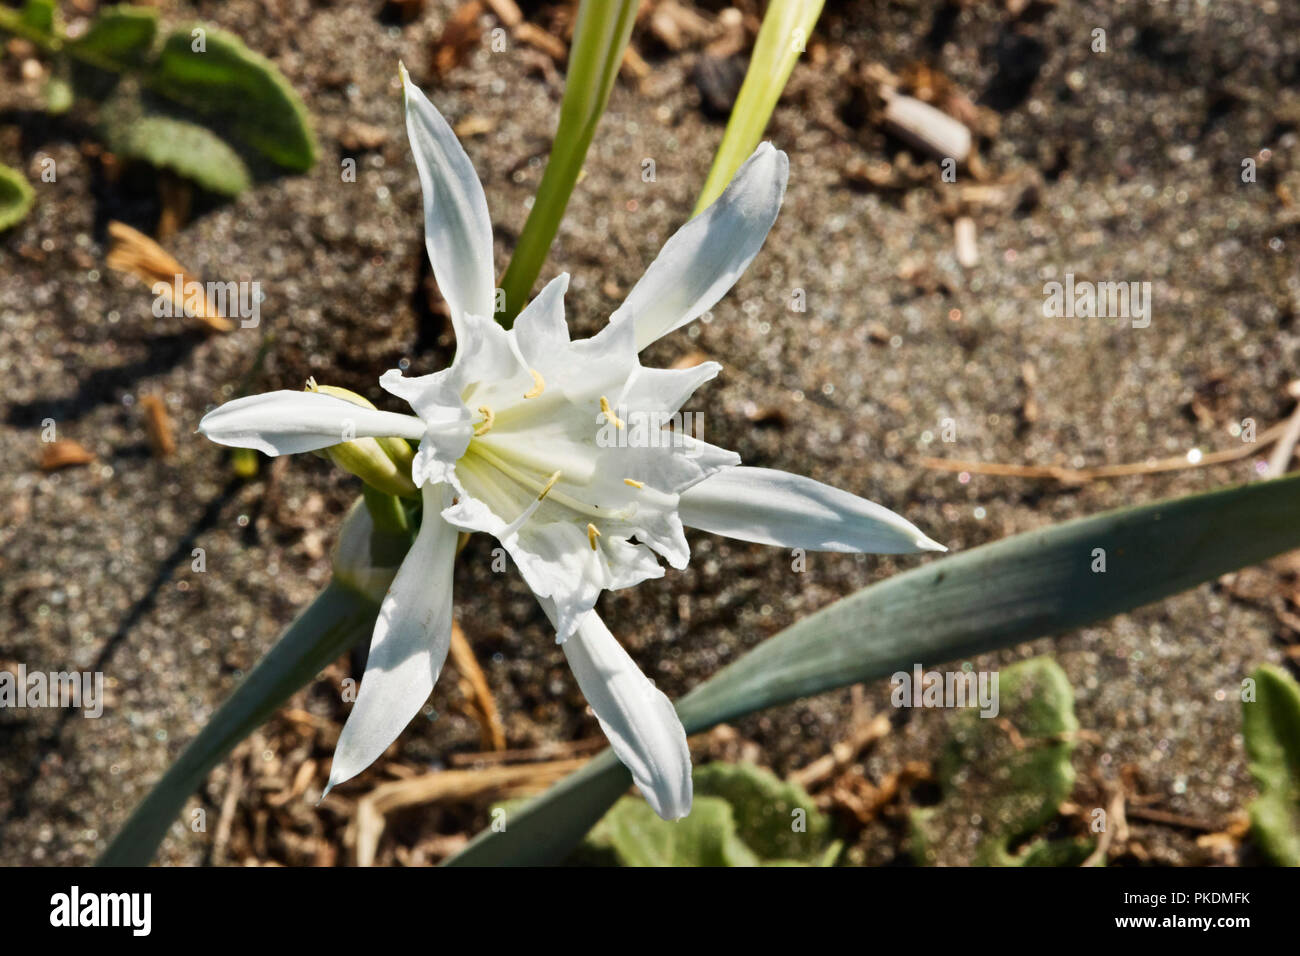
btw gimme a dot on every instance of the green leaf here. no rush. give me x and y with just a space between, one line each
742 816
119 38
213 73
775 819
638 837
1014 784
787 25
332 624
58 95
136 130
1271 725
599 39
40 15
998 595
1070 852
16 197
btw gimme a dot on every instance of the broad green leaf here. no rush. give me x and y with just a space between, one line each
707 837
1069 852
742 816
599 39
41 16
998 595
332 624
1271 725
212 72
16 197
120 37
1014 784
136 131
775 819
787 25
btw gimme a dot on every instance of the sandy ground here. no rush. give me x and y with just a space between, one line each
1122 166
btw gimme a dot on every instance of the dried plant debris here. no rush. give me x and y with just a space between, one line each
136 254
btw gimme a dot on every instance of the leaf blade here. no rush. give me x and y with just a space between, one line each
16 197
329 626
226 81
932 614
787 24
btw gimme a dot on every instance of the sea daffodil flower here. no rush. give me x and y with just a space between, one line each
514 441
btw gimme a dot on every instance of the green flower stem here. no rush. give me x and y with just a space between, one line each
599 39
782 37
386 512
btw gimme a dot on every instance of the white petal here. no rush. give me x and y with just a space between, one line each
285 422
457 228
703 259
639 719
408 648
790 511
542 333
665 390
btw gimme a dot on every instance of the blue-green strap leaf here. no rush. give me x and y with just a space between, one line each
332 624
1030 585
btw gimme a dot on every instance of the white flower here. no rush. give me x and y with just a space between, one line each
509 445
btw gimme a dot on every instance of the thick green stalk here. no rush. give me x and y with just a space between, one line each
599 39
782 37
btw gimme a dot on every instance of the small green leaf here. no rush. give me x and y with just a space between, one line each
777 820
119 38
40 15
212 72
58 95
1012 771
1271 725
135 130
638 837
1070 852
742 815
16 197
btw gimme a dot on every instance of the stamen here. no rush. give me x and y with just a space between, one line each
609 413
634 483
311 384
539 384
592 534
549 485
485 426
519 522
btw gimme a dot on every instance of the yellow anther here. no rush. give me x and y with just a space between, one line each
592 534
311 384
549 485
539 384
634 483
609 413
483 427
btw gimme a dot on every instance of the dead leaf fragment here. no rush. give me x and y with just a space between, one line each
136 254
158 426
64 453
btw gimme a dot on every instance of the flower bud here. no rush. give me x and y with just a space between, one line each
382 463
